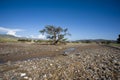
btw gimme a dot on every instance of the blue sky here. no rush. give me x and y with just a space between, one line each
85 19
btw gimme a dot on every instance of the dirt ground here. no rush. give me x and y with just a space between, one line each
23 51
63 62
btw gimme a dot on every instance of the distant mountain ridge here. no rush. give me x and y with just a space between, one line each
14 37
94 40
7 36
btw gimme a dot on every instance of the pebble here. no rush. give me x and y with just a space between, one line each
89 63
25 77
77 54
23 74
14 78
51 64
1 78
44 76
30 79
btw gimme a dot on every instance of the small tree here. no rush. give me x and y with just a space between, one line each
118 39
54 33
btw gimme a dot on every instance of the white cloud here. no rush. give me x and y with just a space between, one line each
14 31
38 36
42 36
10 31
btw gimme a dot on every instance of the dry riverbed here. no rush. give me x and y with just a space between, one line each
64 62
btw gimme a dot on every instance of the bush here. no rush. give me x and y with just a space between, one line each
118 39
25 40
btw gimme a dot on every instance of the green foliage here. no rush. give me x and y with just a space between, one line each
43 41
118 39
106 42
24 40
115 44
86 41
56 34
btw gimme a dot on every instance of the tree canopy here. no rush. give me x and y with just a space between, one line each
118 39
54 33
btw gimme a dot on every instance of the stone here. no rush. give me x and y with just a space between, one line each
9 63
77 54
51 64
1 78
23 74
30 79
25 77
44 76
14 78
67 51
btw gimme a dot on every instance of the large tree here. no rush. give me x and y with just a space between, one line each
118 39
54 33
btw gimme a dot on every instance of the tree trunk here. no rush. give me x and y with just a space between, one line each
55 42
54 39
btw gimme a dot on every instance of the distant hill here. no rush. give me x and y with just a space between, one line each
94 40
7 38
11 38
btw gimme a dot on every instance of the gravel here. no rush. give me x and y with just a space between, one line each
89 62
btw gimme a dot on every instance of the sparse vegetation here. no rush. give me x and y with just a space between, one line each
56 34
114 44
4 40
7 38
25 40
97 41
118 40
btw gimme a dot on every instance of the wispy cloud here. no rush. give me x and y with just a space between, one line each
38 36
10 31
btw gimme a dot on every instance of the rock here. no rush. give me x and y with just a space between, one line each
116 64
56 50
34 67
72 56
23 74
44 76
60 47
14 78
1 78
51 64
26 77
9 63
77 54
115 61
30 79
64 54
50 75
90 63
67 51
